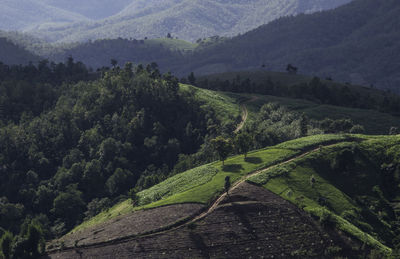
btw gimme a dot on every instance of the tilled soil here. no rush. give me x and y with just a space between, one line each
251 223
136 223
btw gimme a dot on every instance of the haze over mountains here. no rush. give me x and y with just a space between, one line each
22 14
358 43
354 43
92 9
187 19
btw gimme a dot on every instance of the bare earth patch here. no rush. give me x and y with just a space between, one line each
136 223
251 222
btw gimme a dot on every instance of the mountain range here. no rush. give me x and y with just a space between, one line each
23 14
69 21
357 43
354 43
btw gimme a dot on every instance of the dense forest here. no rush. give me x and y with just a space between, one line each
317 90
354 43
71 149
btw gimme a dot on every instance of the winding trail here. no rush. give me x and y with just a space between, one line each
245 112
188 221
245 178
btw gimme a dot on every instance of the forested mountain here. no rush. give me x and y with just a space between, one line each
185 19
357 43
25 14
99 53
12 54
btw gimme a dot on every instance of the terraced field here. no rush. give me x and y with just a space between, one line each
251 222
197 219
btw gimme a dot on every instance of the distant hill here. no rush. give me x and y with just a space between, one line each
93 9
186 19
14 55
24 14
356 43
99 53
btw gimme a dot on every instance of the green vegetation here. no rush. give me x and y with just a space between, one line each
354 182
340 182
235 167
178 183
172 44
375 110
226 105
28 244
72 146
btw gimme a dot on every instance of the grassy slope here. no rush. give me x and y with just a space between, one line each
292 182
373 121
173 44
210 182
227 106
204 184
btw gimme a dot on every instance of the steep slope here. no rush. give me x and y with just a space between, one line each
185 19
355 43
24 14
12 54
253 222
250 219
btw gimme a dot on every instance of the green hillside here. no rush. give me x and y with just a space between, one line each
89 143
227 106
352 185
353 43
338 179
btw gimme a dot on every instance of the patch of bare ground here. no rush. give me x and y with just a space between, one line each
133 224
250 223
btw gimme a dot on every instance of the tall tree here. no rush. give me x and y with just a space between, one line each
243 142
223 147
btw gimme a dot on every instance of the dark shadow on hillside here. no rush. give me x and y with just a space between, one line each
253 160
198 241
241 213
233 168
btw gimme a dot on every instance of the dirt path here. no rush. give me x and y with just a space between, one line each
245 178
245 113
212 208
